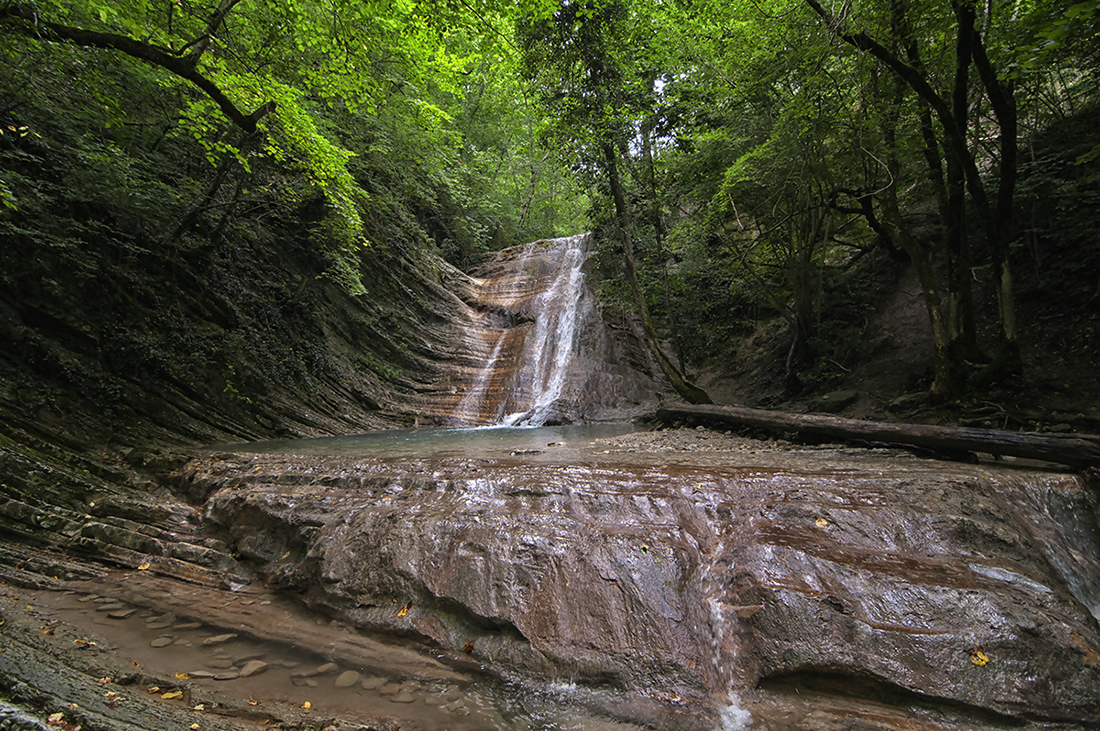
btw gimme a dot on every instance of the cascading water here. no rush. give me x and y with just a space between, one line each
533 304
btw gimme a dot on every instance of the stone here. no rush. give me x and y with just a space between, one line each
253 667
220 663
389 689
347 679
834 401
328 667
373 683
230 675
218 639
122 613
162 641
404 697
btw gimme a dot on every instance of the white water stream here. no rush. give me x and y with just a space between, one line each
540 301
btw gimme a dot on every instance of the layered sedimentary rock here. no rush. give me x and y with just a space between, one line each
533 349
690 577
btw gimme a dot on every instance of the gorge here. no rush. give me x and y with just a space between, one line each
315 414
665 578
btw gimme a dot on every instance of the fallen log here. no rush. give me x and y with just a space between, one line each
1074 450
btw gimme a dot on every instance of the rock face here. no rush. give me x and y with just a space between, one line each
533 349
693 567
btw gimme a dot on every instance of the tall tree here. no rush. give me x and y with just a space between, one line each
580 56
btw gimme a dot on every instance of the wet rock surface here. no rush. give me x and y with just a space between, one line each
674 580
688 567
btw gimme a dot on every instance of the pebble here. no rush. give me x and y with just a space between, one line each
188 626
347 679
231 675
89 598
403 697
162 641
201 674
122 613
218 639
169 618
373 683
328 667
159 625
389 689
220 663
253 667
113 607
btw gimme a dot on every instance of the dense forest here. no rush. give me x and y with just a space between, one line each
747 166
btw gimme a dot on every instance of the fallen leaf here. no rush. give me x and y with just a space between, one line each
978 657
253 702
469 647
55 719
199 707
154 689
144 566
183 676
172 694
307 705
403 611
821 523
104 681
194 725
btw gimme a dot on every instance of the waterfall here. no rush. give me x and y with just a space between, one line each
532 304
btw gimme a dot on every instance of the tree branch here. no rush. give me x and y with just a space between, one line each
26 21
955 133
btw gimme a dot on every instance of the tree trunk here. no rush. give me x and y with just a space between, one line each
1077 450
688 391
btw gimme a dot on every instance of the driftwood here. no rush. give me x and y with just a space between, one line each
1075 450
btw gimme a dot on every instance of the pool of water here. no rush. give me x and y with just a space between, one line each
471 443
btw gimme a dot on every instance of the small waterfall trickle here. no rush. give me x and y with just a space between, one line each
533 304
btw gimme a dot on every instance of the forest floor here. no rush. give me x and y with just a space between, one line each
1058 390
